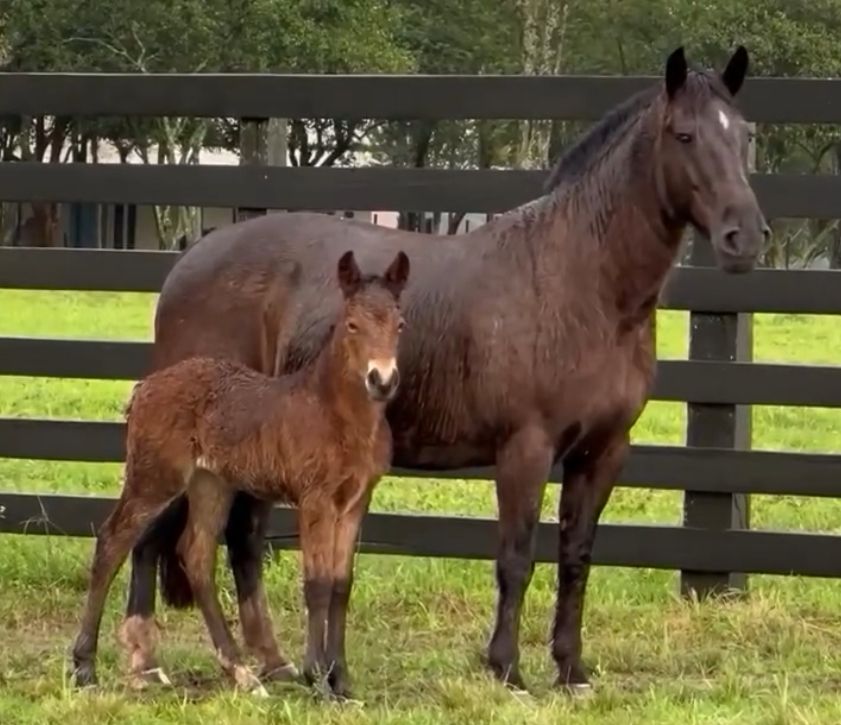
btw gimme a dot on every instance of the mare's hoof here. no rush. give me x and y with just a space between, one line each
574 681
282 673
509 676
246 680
145 678
83 674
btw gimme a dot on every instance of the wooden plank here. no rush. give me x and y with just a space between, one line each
661 547
103 270
661 467
763 290
677 380
689 288
377 189
781 100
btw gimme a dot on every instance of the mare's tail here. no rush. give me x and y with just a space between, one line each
175 587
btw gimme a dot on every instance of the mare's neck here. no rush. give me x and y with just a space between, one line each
611 225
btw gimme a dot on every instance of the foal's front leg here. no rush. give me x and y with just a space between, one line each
317 527
344 548
589 478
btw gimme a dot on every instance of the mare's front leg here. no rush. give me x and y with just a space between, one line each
245 536
522 468
589 476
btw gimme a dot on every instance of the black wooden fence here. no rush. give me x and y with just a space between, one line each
716 470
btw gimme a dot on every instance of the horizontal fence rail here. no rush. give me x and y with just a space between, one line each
662 467
363 189
659 547
689 288
677 380
381 96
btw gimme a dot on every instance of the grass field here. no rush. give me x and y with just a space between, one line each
418 626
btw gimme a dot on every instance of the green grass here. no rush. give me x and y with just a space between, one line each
419 626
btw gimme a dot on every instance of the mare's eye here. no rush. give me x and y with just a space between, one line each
684 137
352 327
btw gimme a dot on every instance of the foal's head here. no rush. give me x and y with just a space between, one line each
371 323
702 171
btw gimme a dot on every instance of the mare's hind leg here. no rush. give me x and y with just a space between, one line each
589 477
210 501
138 505
245 535
139 632
522 468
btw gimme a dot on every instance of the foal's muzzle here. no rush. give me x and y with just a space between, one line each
382 380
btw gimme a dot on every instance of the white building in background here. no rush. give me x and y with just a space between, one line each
132 226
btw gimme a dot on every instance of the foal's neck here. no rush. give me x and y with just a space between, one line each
341 390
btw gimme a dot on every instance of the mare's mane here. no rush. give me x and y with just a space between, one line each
579 158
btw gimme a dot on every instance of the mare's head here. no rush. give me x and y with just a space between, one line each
702 167
371 323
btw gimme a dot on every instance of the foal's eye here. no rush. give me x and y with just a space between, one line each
352 327
684 137
400 325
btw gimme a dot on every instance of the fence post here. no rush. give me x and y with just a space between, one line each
262 142
717 337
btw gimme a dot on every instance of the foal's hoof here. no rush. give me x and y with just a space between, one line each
281 673
83 674
145 678
246 680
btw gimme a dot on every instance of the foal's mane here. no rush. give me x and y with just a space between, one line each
580 157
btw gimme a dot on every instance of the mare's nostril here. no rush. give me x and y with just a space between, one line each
730 241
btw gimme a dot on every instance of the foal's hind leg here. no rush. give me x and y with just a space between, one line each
137 506
522 468
139 632
245 535
210 500
588 480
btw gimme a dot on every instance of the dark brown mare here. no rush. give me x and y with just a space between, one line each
528 341
316 438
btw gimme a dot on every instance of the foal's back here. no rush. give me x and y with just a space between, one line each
222 416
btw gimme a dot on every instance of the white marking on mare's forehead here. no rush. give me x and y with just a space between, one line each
723 119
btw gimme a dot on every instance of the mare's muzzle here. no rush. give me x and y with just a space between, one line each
739 239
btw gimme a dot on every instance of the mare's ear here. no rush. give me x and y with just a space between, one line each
676 71
350 277
737 68
397 274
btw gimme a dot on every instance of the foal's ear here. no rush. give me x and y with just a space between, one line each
676 71
737 68
397 274
350 278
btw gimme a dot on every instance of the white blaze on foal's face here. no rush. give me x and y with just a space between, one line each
385 368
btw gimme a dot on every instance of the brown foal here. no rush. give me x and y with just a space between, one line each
316 438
